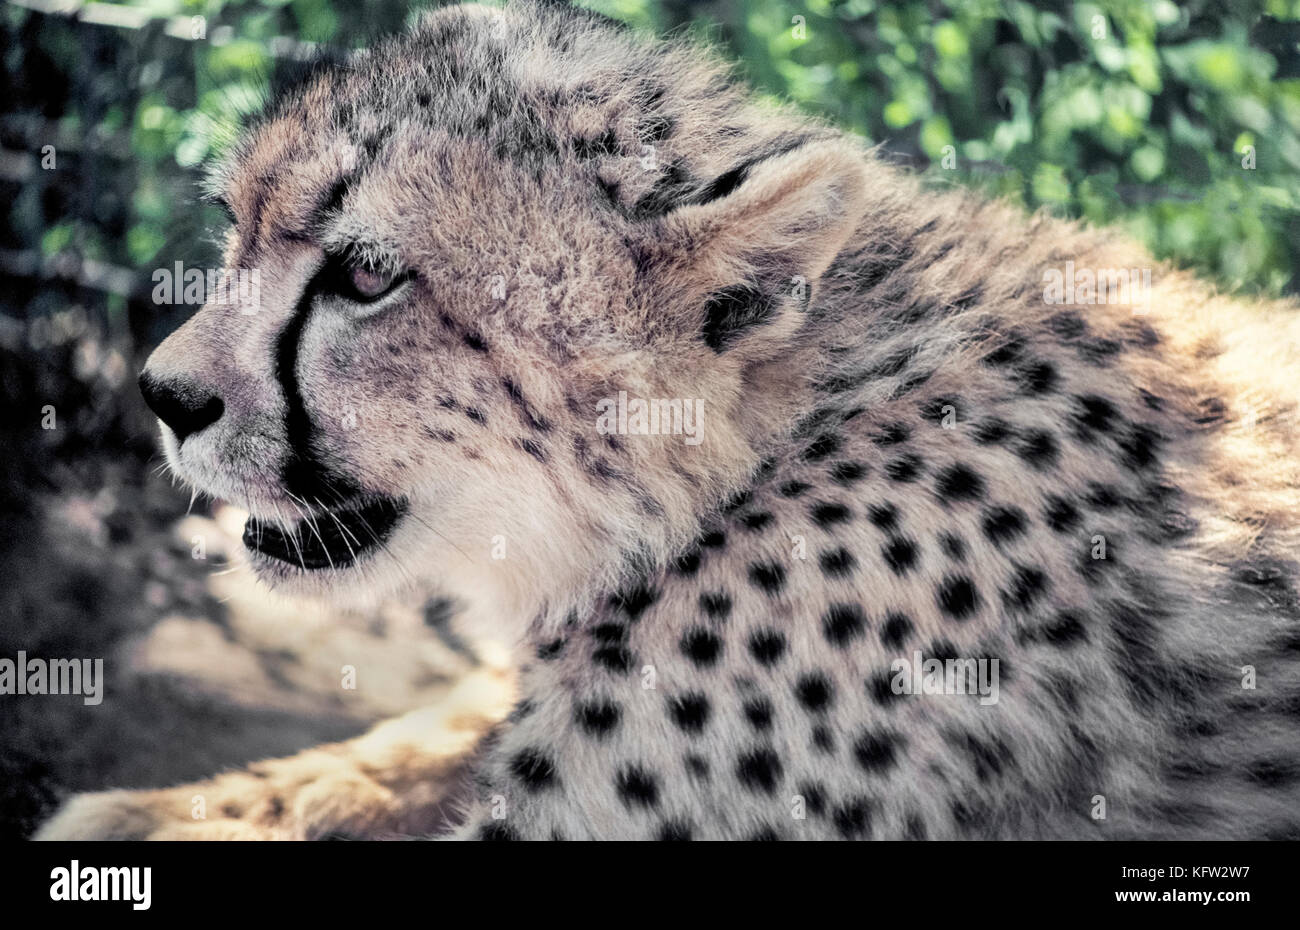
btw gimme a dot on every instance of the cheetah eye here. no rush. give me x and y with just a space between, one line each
369 284
354 279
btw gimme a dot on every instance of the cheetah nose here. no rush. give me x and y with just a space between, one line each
182 405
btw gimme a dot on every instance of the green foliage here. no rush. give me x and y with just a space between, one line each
1139 112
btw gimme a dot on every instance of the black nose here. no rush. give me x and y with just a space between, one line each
182 405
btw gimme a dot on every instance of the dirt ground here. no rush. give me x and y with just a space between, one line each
204 669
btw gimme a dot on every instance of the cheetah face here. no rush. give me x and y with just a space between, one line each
450 287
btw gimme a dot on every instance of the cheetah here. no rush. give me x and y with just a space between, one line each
725 423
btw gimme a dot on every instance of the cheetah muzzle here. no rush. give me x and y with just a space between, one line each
333 539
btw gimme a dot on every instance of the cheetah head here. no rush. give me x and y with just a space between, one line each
471 241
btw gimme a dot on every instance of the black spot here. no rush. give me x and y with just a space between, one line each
814 797
675 831
957 597
534 769
842 623
1066 629
688 563
637 787
1061 515
1067 324
1006 353
760 770
837 563
478 416
793 488
1027 585
891 434
970 813
496 831
1141 333
552 650
823 446
993 431
1139 447
814 691
895 630
1212 411
1102 496
904 469
959 483
880 685
758 711
884 516
934 409
690 711
846 473
609 633
655 128
614 658
1038 378
702 647
736 501
767 646
1002 524
716 604
475 342
1095 413
900 554
990 756
731 311
1038 447
716 539
768 576
876 751
943 650
894 364
853 818
723 184
670 190
1273 773
829 514
635 601
1099 351
953 545
533 448
697 766
756 521
606 144
823 739
599 718
1153 401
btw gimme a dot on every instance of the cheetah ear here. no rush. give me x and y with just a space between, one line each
752 247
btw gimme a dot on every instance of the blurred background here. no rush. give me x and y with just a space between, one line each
1180 122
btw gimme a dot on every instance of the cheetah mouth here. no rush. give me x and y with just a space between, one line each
330 539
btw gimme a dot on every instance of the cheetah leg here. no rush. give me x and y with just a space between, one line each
399 779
